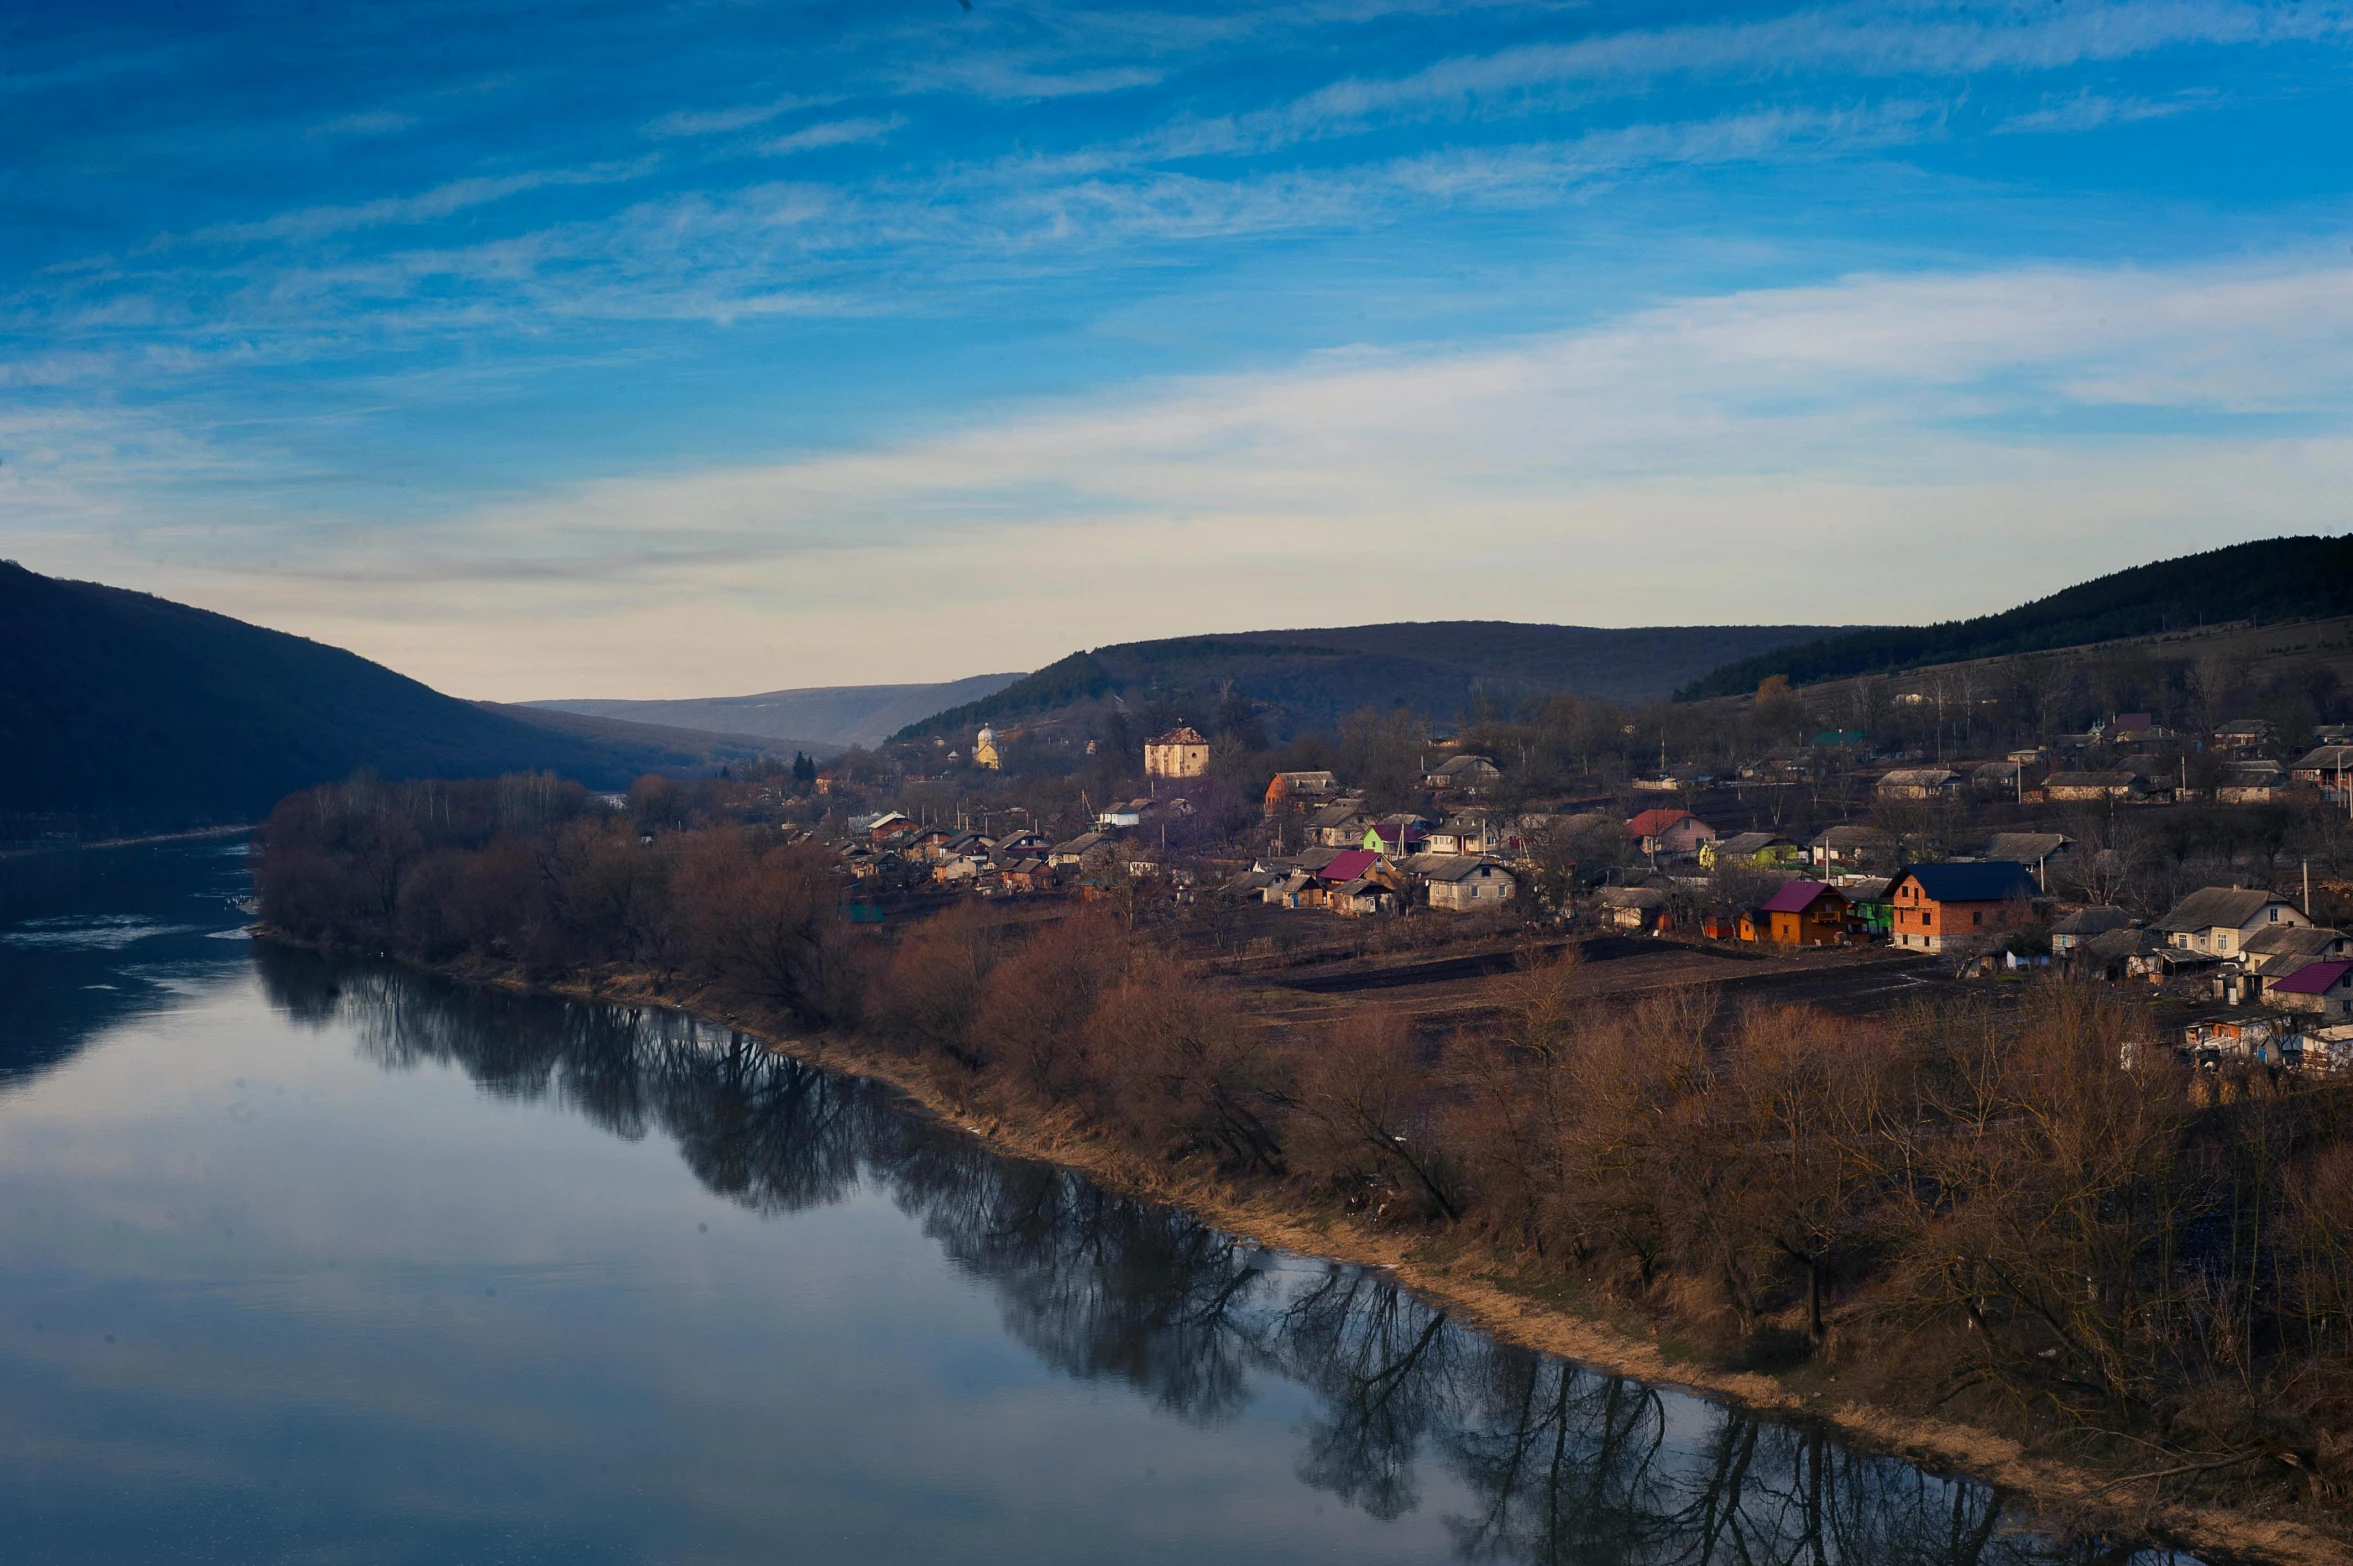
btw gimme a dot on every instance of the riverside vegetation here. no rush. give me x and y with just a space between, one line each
2027 1219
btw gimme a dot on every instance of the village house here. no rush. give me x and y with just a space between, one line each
1994 779
2251 783
1805 913
1753 850
1629 907
2084 787
1669 834
1299 788
2071 930
1936 906
1340 824
2280 949
1467 885
879 825
2217 920
1126 813
2034 849
1088 850
1396 836
1180 753
1850 848
2129 728
1464 774
2325 767
2323 988
1460 835
1918 783
2245 734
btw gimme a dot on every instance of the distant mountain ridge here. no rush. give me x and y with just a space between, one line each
833 716
126 710
1308 678
2300 578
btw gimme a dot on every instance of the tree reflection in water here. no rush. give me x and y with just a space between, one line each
1563 1464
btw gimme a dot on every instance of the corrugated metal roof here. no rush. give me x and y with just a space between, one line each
1798 896
2314 978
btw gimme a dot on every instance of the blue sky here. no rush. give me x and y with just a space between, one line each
645 350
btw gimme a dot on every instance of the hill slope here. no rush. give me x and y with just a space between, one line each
832 716
126 710
691 747
1309 678
2274 579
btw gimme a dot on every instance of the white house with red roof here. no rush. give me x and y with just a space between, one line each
1669 834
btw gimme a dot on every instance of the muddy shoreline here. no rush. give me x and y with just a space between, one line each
2063 1495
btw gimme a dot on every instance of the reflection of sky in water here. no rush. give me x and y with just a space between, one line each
328 1263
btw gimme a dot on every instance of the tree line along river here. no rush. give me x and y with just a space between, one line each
308 1260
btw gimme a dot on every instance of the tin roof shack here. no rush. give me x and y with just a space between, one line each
1940 907
2072 930
2217 920
1463 774
1919 783
1465 885
2079 787
1806 913
1630 907
2131 952
2324 989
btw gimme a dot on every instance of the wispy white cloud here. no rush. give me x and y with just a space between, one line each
426 206
832 133
2087 110
367 122
715 122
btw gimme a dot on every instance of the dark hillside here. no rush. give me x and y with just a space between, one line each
2272 580
684 747
125 711
1309 678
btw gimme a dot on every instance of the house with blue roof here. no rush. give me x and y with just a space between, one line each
1967 900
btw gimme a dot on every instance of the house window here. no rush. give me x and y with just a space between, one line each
1977 918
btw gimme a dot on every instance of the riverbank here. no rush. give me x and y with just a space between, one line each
1482 1289
75 845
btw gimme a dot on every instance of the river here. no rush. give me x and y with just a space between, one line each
313 1261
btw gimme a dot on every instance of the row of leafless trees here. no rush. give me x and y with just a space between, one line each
1976 1209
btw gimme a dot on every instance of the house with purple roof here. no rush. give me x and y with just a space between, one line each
2324 989
1805 913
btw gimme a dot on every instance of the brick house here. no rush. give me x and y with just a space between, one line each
1936 905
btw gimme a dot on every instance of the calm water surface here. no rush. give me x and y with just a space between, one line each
304 1261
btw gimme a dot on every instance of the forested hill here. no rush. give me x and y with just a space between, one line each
126 711
1307 679
2274 579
